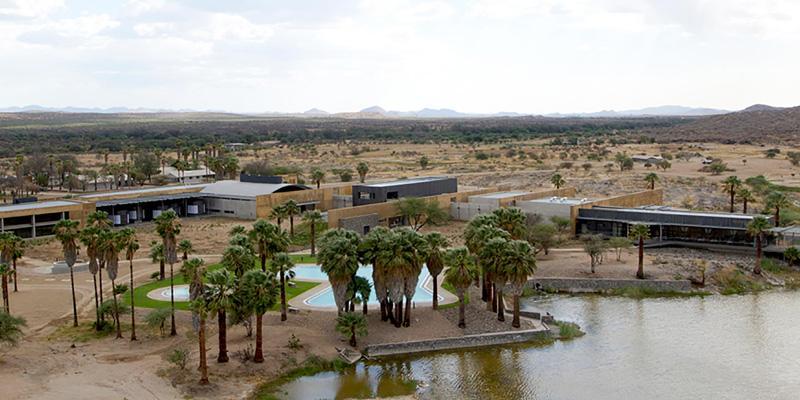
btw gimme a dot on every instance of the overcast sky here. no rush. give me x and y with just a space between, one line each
339 55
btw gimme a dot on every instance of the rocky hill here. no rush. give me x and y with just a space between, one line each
755 124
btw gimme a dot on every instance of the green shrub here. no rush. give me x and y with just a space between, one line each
568 330
732 281
157 319
179 357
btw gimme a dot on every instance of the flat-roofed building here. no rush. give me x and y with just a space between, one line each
416 187
550 207
497 199
32 220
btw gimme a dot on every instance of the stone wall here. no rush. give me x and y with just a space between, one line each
580 285
357 224
460 342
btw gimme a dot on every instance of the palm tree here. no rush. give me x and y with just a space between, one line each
130 245
732 184
746 197
757 228
520 265
651 179
282 264
66 232
292 209
396 258
312 218
168 226
279 214
639 233
460 273
362 168
15 248
317 176
416 249
511 220
269 239
361 290
352 325
101 221
493 258
157 256
200 307
791 254
338 258
777 200
219 292
5 272
558 181
110 246
435 262
473 240
185 247
90 237
261 289
369 252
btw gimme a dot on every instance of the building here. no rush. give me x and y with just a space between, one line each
549 207
647 159
373 193
32 220
189 176
667 225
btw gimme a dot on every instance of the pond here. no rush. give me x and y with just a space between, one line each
717 347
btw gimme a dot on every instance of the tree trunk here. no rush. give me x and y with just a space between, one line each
74 302
640 271
484 288
96 304
6 304
435 300
501 312
390 311
461 322
313 238
732 200
161 271
100 281
259 356
365 307
757 269
777 217
291 225
744 210
173 331
398 318
383 310
407 320
201 339
283 296
116 310
14 265
223 336
353 336
133 306
264 262
515 321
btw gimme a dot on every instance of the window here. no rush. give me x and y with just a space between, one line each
391 195
366 229
365 195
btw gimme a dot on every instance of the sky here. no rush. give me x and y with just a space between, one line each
473 55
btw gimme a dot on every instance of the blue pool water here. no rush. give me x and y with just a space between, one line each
181 293
325 298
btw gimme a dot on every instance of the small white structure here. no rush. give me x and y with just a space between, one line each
188 176
551 206
647 159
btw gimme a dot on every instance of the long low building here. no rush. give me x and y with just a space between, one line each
667 224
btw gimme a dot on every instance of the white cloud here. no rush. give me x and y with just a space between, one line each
29 8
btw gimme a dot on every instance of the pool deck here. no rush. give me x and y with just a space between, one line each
300 300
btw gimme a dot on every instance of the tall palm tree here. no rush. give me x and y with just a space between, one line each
101 221
192 271
90 237
362 168
5 272
279 213
317 176
130 245
520 265
473 242
460 273
67 232
157 257
482 237
338 258
219 292
746 197
511 220
777 201
200 307
435 262
14 250
168 226
757 228
269 239
417 249
282 264
639 233
558 181
312 218
110 246
493 258
369 252
261 290
651 180
732 184
292 209
185 247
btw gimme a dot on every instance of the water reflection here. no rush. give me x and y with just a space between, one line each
734 347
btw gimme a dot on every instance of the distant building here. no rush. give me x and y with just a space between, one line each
234 146
417 187
647 159
199 175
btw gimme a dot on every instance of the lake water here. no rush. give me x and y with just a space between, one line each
718 347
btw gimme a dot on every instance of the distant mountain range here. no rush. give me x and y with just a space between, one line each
379 112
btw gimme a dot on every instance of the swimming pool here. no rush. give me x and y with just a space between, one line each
325 297
181 293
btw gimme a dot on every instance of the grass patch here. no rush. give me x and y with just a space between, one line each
451 289
84 332
635 292
312 366
568 330
732 281
140 293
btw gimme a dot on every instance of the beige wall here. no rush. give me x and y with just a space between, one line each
324 197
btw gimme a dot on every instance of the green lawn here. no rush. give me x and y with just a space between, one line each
140 293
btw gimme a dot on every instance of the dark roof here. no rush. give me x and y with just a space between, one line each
667 216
